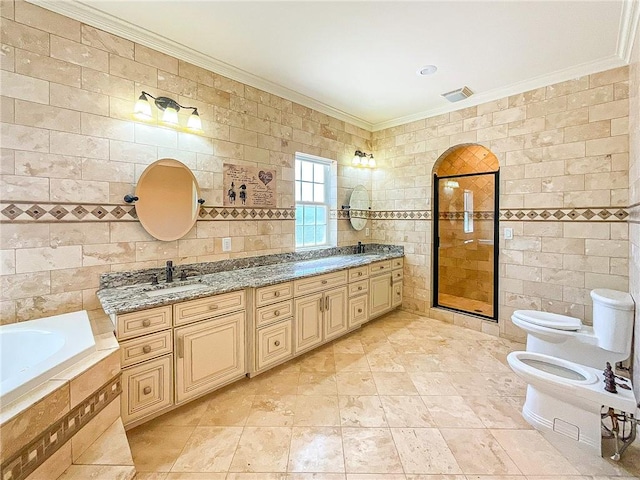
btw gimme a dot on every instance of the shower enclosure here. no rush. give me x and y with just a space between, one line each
465 237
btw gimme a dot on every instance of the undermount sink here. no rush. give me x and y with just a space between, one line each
176 289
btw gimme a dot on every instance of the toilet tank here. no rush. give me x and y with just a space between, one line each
613 313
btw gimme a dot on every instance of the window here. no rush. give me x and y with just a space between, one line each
312 201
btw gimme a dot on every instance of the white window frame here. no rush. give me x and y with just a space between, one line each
328 196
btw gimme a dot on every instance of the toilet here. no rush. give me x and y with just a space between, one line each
609 340
566 398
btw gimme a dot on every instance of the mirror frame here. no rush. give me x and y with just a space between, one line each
150 209
358 223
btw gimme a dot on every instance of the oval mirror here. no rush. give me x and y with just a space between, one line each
359 207
167 204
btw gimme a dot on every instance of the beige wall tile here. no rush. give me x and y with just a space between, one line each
47 258
29 189
81 100
34 164
125 68
78 234
605 146
79 145
620 74
101 82
24 87
21 137
24 285
47 68
24 37
105 254
609 110
44 116
64 190
156 59
47 20
105 41
79 54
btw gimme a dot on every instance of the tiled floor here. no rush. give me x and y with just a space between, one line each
404 398
466 304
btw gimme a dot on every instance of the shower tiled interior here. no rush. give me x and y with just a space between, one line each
404 398
466 304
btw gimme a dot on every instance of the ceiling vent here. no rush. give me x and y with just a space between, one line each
459 94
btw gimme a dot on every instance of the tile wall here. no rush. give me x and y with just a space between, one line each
69 145
559 147
634 200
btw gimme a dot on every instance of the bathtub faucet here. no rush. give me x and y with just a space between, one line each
169 269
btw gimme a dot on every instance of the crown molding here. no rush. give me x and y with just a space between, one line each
513 89
628 29
629 20
96 18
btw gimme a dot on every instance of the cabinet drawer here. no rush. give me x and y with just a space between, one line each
146 389
274 343
187 312
320 282
273 293
145 348
358 273
358 310
146 321
358 288
379 267
396 275
274 312
397 263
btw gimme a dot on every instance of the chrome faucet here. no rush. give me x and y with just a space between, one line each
169 269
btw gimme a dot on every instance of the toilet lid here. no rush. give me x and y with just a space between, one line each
549 320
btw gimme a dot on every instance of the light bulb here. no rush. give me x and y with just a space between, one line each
142 109
194 122
356 161
170 116
372 162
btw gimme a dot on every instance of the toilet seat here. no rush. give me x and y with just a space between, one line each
549 320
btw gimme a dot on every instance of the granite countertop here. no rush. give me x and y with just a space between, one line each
130 298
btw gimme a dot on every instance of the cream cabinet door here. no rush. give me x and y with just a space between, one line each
308 321
209 354
358 310
336 318
379 294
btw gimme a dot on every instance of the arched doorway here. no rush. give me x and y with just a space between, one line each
466 212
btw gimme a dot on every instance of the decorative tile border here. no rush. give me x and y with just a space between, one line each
49 212
594 214
480 215
24 462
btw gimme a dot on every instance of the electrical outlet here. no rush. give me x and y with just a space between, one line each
366 232
226 244
508 233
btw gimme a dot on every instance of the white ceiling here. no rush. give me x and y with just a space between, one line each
358 59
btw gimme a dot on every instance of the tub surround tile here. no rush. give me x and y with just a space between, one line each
89 435
110 448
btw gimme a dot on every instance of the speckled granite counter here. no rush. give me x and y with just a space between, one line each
133 297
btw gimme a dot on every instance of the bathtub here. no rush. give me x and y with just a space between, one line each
35 351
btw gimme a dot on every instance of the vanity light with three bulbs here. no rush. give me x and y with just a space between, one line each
361 159
170 109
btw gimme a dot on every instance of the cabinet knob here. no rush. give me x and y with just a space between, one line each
398 293
359 310
146 322
146 390
276 294
359 274
324 282
276 313
360 287
277 343
146 349
213 307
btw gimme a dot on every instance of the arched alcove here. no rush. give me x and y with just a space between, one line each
465 216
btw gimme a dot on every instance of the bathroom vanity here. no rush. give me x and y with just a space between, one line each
181 340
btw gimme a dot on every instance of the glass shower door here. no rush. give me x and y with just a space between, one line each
465 250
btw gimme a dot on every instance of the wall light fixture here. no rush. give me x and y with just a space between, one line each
170 109
361 159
